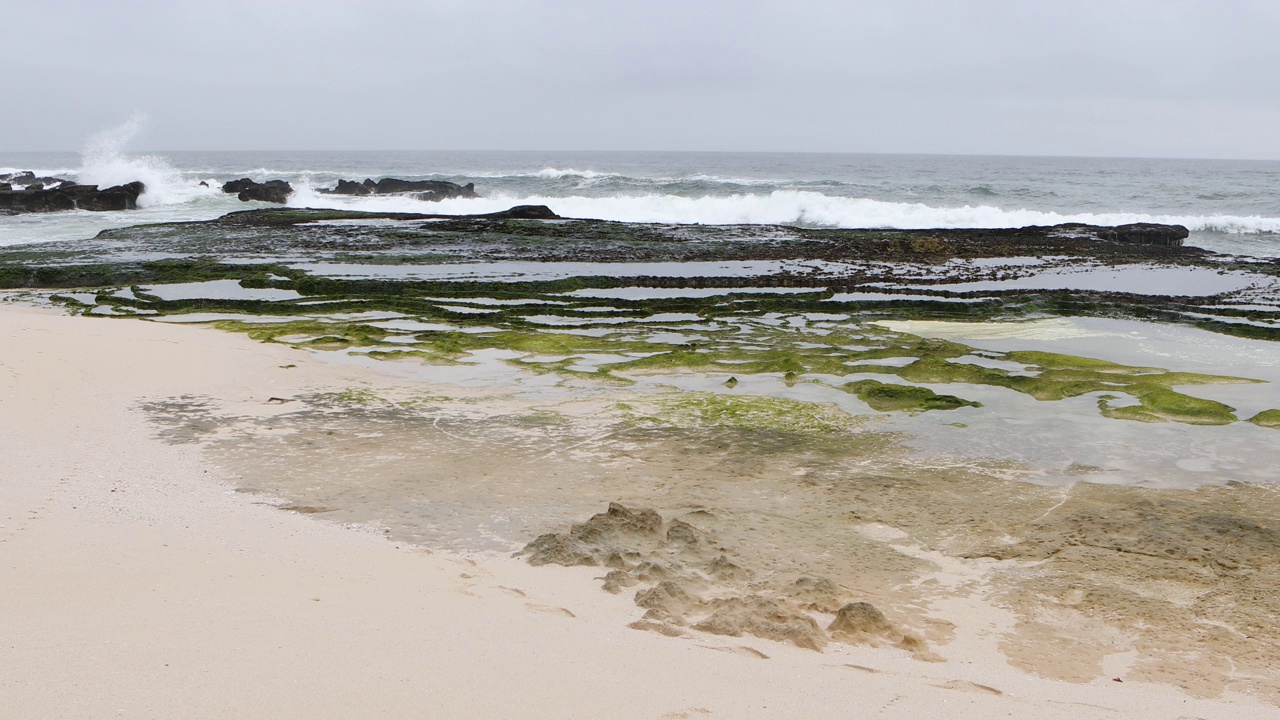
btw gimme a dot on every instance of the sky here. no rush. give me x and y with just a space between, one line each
1133 78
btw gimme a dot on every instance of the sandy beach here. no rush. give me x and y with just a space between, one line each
140 584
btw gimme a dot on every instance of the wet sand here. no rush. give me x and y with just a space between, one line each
155 575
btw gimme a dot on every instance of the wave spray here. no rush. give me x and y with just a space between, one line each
104 163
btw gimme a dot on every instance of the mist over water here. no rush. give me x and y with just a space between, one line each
1230 206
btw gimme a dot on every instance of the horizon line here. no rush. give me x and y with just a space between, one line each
681 152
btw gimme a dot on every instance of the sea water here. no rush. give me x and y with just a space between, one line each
1230 206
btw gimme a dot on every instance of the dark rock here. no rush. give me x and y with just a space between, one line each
387 186
347 187
72 197
430 190
120 197
233 187
29 181
522 212
1147 234
276 191
1134 233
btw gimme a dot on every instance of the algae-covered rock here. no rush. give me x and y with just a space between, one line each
887 397
1160 404
1267 419
753 413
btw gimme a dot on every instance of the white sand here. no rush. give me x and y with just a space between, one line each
135 583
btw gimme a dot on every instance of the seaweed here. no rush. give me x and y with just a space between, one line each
890 397
1267 419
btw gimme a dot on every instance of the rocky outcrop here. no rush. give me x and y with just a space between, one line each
1147 234
687 581
348 187
1133 233
33 198
431 190
27 180
521 212
274 191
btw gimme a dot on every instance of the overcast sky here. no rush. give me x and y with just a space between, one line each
1166 78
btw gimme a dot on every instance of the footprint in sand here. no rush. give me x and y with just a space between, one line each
686 714
743 650
563 612
513 592
966 686
658 627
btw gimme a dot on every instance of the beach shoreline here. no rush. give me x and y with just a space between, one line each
143 585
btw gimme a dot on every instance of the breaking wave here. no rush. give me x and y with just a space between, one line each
787 207
104 163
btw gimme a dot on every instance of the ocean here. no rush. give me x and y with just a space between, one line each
1230 206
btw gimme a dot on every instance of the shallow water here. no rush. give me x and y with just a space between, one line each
797 489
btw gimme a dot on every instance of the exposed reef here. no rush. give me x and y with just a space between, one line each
590 294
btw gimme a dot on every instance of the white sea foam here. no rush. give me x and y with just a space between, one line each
556 173
104 163
787 207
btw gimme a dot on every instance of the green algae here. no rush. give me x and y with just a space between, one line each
321 335
747 347
349 396
1267 419
750 412
887 397
1052 376
1157 403
743 335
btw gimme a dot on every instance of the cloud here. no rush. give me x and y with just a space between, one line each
1164 77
